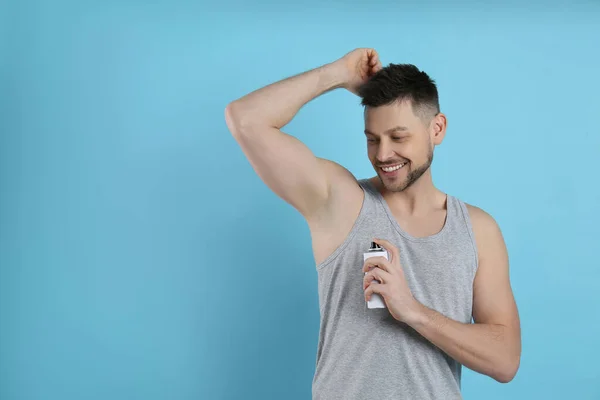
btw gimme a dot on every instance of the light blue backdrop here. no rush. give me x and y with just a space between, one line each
142 258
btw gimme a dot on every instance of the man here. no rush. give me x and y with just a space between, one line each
446 286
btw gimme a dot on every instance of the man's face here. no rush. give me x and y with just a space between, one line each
400 157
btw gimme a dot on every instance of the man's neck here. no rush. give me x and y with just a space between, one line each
418 199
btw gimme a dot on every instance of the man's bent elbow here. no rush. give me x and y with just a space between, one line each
509 371
233 119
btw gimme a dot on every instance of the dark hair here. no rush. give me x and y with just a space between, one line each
400 82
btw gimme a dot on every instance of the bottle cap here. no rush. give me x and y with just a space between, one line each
374 246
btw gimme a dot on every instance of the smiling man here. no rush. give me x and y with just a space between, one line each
446 287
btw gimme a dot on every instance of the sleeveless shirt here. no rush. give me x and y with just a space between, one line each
366 353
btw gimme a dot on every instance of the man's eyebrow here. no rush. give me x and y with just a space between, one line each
394 129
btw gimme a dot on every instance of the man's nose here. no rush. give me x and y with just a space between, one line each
384 152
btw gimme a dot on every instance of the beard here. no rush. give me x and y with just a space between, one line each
411 178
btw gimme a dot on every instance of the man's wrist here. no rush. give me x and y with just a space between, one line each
416 316
332 76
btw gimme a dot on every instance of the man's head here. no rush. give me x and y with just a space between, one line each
400 96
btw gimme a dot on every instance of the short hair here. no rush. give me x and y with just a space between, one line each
399 83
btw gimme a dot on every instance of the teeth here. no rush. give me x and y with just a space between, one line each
391 169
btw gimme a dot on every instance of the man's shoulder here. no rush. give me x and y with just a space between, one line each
479 216
343 184
485 227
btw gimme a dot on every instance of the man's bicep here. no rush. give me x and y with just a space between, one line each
493 299
284 163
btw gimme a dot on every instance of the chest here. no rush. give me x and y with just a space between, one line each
421 226
440 274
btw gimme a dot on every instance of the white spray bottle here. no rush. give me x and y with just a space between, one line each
375 250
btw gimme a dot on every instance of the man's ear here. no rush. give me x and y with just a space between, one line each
438 128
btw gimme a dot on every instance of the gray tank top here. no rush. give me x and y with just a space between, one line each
365 353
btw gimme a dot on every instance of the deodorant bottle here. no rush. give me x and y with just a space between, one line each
375 250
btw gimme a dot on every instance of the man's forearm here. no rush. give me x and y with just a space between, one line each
486 348
276 104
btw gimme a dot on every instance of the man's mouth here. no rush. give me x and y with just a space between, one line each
392 168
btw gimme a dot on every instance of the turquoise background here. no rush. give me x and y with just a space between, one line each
142 258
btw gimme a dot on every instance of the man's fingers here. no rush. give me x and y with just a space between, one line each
380 289
378 261
376 274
